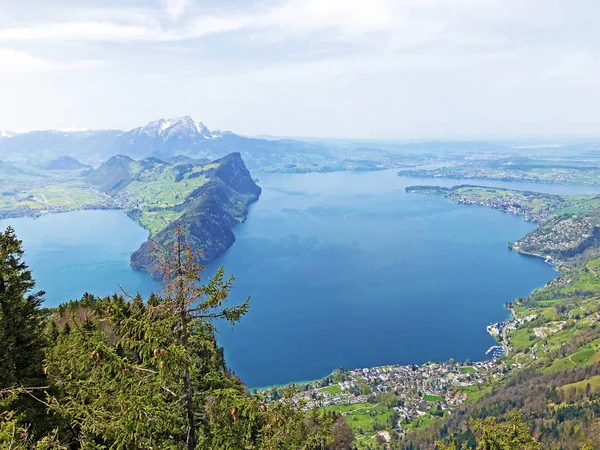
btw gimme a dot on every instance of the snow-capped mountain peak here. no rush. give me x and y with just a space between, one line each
154 127
7 134
181 127
165 138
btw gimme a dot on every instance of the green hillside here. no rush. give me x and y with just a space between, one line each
553 347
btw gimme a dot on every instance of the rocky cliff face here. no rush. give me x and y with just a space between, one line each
233 172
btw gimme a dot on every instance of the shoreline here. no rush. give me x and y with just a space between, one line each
555 265
503 180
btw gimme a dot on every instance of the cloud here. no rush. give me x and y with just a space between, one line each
114 32
399 65
75 31
176 8
345 18
315 26
14 61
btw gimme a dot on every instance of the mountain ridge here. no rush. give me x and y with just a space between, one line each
172 137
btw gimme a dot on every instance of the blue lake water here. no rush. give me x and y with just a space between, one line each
344 269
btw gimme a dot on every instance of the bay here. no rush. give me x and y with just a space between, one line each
82 251
344 269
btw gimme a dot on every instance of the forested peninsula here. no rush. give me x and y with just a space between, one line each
205 199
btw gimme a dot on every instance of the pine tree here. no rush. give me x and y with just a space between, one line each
21 326
194 306
21 320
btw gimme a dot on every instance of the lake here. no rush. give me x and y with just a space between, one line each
344 269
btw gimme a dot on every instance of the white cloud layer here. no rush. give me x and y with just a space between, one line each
309 67
176 8
17 62
345 19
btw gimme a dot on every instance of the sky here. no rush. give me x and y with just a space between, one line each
376 69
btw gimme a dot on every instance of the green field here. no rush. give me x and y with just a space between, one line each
334 389
154 221
158 188
365 419
162 190
570 305
431 398
65 195
420 422
520 338
468 369
581 386
476 392
583 206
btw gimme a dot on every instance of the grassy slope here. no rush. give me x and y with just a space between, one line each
160 192
365 419
566 311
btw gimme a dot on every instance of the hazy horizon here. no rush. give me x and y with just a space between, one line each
311 69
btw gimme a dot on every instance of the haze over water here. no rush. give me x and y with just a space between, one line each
344 269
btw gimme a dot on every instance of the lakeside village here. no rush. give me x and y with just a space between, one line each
431 389
511 204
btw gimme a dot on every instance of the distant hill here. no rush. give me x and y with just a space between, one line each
65 163
90 147
183 136
186 159
116 173
207 200
11 172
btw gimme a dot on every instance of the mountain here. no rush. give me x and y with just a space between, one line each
112 173
164 137
90 147
206 200
168 138
64 163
